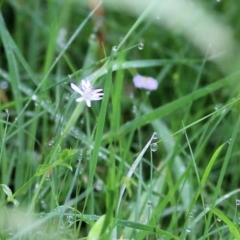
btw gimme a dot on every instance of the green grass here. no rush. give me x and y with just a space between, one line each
138 164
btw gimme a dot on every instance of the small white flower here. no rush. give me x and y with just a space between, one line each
87 92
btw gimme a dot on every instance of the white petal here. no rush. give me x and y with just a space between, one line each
76 88
88 102
80 99
86 85
96 97
98 90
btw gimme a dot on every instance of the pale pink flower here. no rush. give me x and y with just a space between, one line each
87 92
147 83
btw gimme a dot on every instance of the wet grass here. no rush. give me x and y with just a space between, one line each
138 164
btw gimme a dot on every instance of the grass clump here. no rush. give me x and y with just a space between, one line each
156 162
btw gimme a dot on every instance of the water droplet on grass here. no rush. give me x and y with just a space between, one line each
93 36
134 109
43 204
76 135
188 229
114 48
218 106
36 186
99 185
7 111
226 196
115 67
42 214
154 147
15 202
80 155
70 76
238 202
155 135
149 203
10 232
47 177
34 97
51 142
70 219
140 46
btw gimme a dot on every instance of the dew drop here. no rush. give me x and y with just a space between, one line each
182 169
34 97
76 135
115 67
42 214
102 155
218 106
43 204
226 196
134 109
47 177
114 48
219 220
188 229
93 36
149 203
238 202
99 185
69 76
229 141
81 170
80 155
70 219
16 203
10 232
155 136
154 147
36 186
7 111
51 142
140 46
